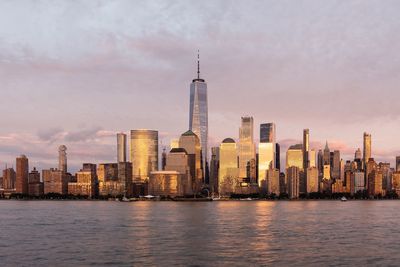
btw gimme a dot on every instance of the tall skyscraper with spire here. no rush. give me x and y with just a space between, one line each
198 113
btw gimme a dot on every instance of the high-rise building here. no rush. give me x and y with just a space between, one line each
228 167
8 179
293 178
85 184
191 143
163 159
144 154
268 133
294 156
312 180
396 182
358 154
327 155
398 164
22 175
312 158
359 181
107 176
178 160
121 147
272 183
265 161
214 166
35 187
62 158
278 157
247 150
306 148
320 163
336 164
367 148
198 113
55 181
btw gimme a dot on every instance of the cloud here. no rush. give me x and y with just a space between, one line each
82 135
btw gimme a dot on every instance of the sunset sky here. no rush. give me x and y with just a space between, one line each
77 72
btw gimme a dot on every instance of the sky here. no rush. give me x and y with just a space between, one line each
78 72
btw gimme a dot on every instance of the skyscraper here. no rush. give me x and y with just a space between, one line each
367 148
121 147
247 150
294 157
22 175
228 167
266 152
306 147
198 113
62 159
267 133
144 153
278 157
398 163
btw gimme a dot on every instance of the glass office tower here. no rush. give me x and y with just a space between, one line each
144 154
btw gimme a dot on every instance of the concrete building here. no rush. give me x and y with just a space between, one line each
375 183
55 181
108 182
293 178
214 167
121 147
367 148
35 186
359 181
273 185
9 177
62 159
167 183
144 154
22 175
397 164
294 157
312 180
85 184
178 160
335 168
396 182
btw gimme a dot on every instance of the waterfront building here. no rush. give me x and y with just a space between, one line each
121 147
62 158
167 183
268 133
198 113
55 181
22 175
312 158
367 148
247 150
293 178
107 177
191 143
35 186
9 177
312 180
396 182
214 166
375 183
384 167
369 168
228 167
397 164
85 184
359 181
273 186
124 178
179 160
143 153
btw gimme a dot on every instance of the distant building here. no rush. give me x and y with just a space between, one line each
398 164
306 148
359 181
178 160
273 185
396 182
9 177
294 157
265 161
247 150
55 181
85 184
367 148
35 186
167 183
121 147
312 180
22 175
293 177
174 143
335 170
191 143
375 183
312 158
214 167
228 176
144 154
62 159
358 154
109 185
278 156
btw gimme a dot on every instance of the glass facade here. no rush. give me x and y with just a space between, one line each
246 145
144 153
294 157
198 115
228 167
121 147
265 160
267 133
367 148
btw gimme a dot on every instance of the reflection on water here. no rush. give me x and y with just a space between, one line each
233 233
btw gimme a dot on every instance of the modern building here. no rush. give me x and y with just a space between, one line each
358 154
107 176
228 176
312 158
191 143
167 183
294 156
359 181
293 178
85 184
398 164
268 133
247 150
265 161
9 178
367 148
62 158
272 184
335 165
396 182
121 147
214 167
143 153
312 180
179 160
306 148
278 156
22 175
198 113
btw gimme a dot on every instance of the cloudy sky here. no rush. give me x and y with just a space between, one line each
77 72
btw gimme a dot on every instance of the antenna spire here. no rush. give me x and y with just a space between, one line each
198 64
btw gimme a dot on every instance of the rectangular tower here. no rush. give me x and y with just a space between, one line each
121 147
247 150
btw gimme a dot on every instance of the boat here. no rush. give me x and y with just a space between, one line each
125 199
343 199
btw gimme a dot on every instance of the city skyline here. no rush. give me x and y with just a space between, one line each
65 87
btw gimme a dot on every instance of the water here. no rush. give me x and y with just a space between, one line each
236 233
